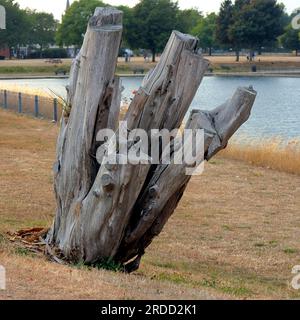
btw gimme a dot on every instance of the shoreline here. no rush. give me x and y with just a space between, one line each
254 74
131 75
267 65
261 152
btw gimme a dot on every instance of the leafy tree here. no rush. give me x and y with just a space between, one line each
43 28
17 25
223 23
128 26
205 31
291 39
188 19
249 23
153 21
73 26
286 18
235 37
257 23
239 4
225 20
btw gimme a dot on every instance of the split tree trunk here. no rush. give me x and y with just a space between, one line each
114 211
92 92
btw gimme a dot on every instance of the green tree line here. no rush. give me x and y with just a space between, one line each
239 24
27 27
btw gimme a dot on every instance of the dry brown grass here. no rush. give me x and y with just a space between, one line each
140 60
25 89
271 153
234 235
31 63
231 59
273 61
292 60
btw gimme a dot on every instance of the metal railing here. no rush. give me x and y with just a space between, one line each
38 106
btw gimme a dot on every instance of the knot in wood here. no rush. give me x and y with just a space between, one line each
96 193
153 191
110 167
108 183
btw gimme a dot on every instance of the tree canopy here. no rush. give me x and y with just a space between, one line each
17 25
187 20
74 22
43 28
128 27
291 39
239 24
257 23
147 25
249 24
152 24
26 27
223 23
205 30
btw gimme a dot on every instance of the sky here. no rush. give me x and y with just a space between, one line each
57 7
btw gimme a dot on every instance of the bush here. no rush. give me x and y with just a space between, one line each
224 67
34 55
121 52
55 53
49 54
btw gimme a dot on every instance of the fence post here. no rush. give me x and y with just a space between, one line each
55 109
36 106
5 99
20 102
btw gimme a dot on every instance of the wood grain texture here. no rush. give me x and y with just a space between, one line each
92 90
113 211
161 102
168 182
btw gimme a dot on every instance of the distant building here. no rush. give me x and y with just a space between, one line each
68 5
4 52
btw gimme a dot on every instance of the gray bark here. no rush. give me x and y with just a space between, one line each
113 212
168 182
93 88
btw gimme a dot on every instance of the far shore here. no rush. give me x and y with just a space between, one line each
140 75
266 66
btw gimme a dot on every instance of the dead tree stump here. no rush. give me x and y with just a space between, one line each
107 211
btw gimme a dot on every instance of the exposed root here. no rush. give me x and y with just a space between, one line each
34 240
53 254
31 238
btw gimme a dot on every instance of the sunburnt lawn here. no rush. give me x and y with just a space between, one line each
234 235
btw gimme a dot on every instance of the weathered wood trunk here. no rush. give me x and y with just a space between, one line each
107 211
92 92
162 193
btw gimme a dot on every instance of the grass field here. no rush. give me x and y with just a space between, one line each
234 235
223 64
273 153
35 66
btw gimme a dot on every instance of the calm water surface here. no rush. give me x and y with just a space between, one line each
276 112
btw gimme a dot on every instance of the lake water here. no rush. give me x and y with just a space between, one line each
276 112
